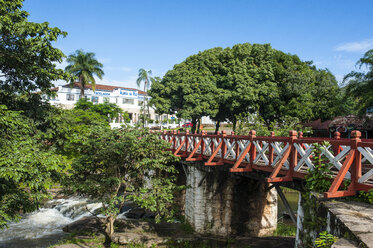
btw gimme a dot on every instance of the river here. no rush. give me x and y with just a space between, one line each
43 228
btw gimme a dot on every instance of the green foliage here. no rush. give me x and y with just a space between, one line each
117 165
27 57
225 83
363 196
30 161
319 178
325 240
83 66
249 122
106 110
145 76
189 90
29 165
360 84
285 230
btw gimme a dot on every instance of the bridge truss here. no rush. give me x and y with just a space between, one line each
285 158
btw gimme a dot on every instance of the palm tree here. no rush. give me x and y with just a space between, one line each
83 66
144 76
360 84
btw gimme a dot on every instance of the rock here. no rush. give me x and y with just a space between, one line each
344 243
85 224
149 215
127 206
135 213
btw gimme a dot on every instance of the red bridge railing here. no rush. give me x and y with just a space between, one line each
285 158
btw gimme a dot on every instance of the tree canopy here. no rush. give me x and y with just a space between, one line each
27 57
83 66
145 77
106 110
224 83
29 161
118 165
360 84
29 165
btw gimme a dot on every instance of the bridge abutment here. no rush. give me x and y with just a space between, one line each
223 204
350 221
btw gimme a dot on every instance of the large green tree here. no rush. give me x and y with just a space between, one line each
189 89
29 165
118 165
29 161
226 83
360 84
83 66
27 58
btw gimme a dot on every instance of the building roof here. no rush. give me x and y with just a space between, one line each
318 124
342 121
105 87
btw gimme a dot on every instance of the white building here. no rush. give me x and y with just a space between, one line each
129 99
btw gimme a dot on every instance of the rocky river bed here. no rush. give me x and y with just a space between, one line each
58 217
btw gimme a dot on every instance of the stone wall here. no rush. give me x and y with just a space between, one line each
220 203
351 222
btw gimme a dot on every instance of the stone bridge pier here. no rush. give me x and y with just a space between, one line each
220 203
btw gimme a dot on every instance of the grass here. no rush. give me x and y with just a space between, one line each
93 241
285 230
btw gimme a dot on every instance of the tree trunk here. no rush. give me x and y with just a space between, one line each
194 123
234 124
217 126
145 104
198 125
81 86
109 229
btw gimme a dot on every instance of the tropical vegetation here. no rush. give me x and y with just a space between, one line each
226 83
118 165
360 84
145 78
83 67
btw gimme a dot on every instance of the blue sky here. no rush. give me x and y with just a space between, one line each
128 35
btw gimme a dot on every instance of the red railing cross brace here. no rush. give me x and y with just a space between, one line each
249 147
291 153
352 163
221 146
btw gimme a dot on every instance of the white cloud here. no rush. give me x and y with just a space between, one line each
358 46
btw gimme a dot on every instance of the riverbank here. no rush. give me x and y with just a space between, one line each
87 232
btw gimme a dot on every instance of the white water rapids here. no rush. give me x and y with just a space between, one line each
44 227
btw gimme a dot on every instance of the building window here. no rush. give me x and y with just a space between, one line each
128 101
95 99
70 97
106 99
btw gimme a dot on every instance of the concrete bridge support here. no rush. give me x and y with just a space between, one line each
219 203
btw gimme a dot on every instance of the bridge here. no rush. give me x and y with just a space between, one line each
285 158
233 181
